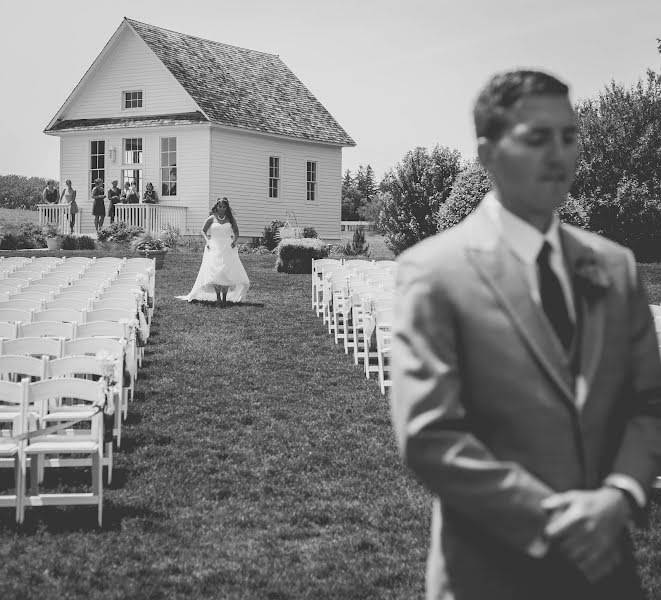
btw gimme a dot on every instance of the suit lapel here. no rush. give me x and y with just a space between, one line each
501 270
592 312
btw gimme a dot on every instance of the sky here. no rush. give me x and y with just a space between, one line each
394 74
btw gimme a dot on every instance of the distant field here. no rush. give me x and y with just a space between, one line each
15 216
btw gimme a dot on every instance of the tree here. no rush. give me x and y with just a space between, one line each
469 188
17 191
356 192
415 190
618 176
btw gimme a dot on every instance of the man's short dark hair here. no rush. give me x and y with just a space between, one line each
503 91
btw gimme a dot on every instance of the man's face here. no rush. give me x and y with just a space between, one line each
532 164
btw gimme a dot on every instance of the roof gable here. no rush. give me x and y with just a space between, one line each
242 88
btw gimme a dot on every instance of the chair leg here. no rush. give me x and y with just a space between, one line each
18 482
97 482
110 459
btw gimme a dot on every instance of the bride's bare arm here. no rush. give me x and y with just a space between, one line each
205 228
235 230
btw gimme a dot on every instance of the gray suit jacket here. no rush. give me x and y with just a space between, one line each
484 402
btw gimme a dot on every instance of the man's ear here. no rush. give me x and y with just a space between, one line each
485 148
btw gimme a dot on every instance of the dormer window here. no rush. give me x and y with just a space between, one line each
132 99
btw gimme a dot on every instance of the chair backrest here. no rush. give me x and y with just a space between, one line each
8 330
11 285
52 329
80 391
110 314
68 303
113 329
22 304
13 315
13 367
48 260
36 267
70 366
55 278
78 260
93 345
43 288
655 310
111 260
96 278
68 315
26 276
17 260
75 293
91 286
28 294
384 316
126 303
32 346
16 395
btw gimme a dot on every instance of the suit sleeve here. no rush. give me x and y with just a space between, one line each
639 455
433 429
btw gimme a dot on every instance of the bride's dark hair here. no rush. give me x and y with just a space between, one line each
229 213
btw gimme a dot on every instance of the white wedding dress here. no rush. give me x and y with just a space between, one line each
221 265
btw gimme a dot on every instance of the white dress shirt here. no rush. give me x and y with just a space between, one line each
526 241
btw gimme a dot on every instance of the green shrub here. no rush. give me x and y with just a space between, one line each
9 242
357 246
171 237
269 237
85 242
69 242
30 236
119 232
467 192
192 244
295 254
310 232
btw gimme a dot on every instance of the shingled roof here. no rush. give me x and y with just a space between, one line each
242 88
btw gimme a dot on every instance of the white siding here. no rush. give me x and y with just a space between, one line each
192 168
239 170
129 65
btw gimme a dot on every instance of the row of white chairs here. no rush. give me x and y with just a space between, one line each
39 428
354 298
76 309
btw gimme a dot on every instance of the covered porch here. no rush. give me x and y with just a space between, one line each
153 218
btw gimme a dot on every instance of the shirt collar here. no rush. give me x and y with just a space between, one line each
525 240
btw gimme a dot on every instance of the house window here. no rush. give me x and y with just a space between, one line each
168 166
97 161
133 151
133 176
132 99
274 176
312 181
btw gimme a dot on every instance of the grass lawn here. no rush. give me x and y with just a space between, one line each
13 216
257 462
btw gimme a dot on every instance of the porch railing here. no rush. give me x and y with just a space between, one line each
153 218
58 215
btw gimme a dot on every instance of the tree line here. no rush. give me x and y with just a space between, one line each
616 191
18 191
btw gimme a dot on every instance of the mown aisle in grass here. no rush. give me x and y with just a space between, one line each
258 463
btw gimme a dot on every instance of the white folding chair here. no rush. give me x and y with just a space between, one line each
383 333
22 304
317 267
48 260
32 346
13 315
68 315
76 441
28 294
42 288
51 329
8 330
11 446
11 285
68 302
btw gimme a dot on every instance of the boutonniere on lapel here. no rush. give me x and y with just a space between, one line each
590 276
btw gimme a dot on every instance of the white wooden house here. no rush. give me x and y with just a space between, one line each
200 119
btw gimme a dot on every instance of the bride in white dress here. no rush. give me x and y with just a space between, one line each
221 276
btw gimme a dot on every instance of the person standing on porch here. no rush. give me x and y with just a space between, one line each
99 208
50 193
150 196
114 196
69 197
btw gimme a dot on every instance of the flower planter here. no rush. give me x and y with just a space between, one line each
156 255
54 243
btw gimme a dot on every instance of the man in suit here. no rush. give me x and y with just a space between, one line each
526 374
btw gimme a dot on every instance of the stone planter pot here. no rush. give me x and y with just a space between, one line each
54 243
157 255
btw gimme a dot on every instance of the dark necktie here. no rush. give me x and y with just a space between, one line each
553 298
